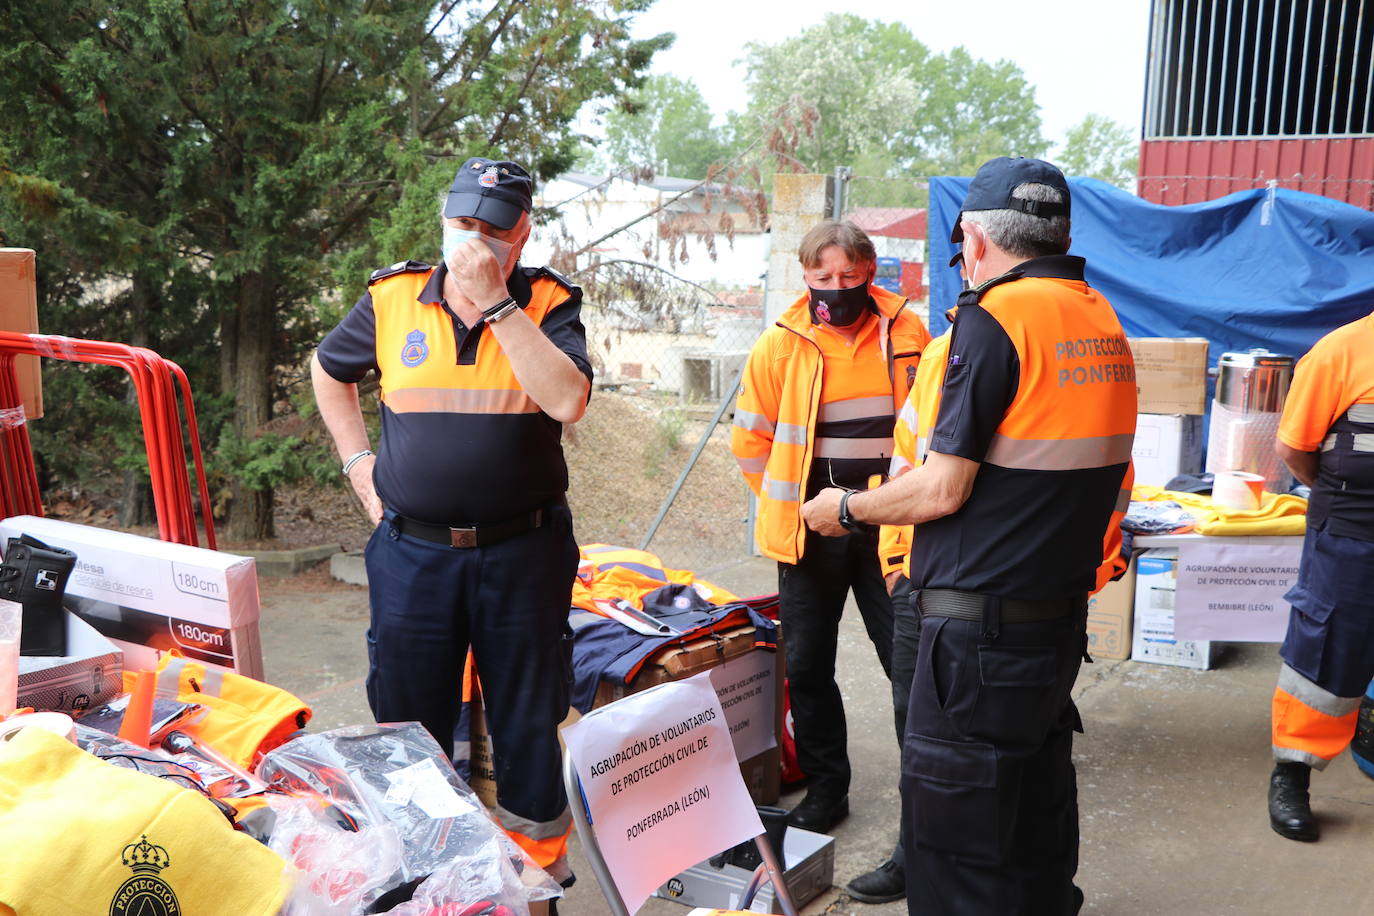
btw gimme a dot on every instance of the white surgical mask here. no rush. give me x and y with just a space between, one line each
453 237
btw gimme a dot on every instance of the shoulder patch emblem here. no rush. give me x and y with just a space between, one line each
416 350
145 894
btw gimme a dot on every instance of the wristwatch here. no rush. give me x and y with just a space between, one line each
500 310
847 521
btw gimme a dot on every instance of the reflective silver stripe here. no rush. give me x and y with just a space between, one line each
922 446
1123 501
460 400
1314 697
1360 413
897 465
604 548
856 409
213 681
782 490
1364 442
535 830
1329 443
909 416
753 422
1293 755
790 433
753 465
169 678
874 447
1060 454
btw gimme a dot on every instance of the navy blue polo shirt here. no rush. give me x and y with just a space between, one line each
461 442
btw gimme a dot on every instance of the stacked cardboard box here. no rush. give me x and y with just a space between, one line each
1155 585
1171 381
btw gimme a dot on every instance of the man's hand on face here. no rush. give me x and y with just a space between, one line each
822 512
480 277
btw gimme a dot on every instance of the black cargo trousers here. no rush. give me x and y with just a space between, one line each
989 794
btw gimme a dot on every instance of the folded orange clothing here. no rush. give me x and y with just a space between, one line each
606 572
1278 514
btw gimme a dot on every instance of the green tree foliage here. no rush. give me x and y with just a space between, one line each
1098 147
199 177
665 126
888 105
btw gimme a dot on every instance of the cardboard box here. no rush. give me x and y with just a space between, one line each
1153 633
148 596
1110 616
809 863
90 675
1170 374
762 772
19 312
1166 446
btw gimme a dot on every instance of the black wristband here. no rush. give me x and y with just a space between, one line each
847 521
501 309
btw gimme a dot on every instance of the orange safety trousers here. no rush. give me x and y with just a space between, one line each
1310 724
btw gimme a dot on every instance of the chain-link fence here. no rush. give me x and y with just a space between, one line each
669 327
672 274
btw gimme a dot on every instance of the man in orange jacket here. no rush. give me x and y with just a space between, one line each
1326 437
815 409
1024 468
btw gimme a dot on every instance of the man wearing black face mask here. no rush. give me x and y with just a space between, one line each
816 409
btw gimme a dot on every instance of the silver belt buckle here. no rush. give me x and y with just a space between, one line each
463 537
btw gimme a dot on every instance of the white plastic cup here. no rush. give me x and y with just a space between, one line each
11 618
1239 490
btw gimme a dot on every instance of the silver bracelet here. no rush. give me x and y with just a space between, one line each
354 459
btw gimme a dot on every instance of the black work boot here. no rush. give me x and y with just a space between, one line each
819 811
883 884
35 575
1290 807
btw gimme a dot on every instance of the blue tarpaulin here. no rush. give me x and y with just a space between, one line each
1265 268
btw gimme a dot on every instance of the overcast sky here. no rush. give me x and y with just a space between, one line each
1081 56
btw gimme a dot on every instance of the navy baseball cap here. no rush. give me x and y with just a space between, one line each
493 191
992 186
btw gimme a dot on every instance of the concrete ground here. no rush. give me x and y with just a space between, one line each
1172 771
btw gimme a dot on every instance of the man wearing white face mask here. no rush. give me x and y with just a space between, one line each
816 408
480 361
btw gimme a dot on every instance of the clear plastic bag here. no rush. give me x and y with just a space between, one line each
482 882
340 871
1157 517
396 774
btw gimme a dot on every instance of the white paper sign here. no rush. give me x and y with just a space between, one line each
662 784
1234 592
746 686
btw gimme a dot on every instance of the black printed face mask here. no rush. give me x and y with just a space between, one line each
840 308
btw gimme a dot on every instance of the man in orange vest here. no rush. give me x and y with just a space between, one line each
1326 437
816 406
1024 468
481 362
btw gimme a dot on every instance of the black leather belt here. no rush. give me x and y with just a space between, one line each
483 535
961 605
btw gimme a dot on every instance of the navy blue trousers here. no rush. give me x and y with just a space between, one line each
811 596
989 795
509 602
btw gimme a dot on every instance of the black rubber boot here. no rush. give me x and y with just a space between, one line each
1290 807
35 575
883 884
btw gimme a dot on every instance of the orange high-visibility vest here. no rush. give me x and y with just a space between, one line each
773 436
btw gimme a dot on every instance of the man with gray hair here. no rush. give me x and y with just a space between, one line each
1025 468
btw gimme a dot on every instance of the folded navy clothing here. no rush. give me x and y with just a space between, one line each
604 649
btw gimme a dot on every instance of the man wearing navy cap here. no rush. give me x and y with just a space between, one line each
481 361
1026 464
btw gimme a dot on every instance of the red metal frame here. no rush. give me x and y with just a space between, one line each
156 381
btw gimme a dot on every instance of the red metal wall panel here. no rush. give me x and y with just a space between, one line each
1190 171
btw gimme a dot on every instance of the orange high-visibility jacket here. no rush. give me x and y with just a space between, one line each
773 436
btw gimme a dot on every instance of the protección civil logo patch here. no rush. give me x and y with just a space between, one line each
416 350
145 894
